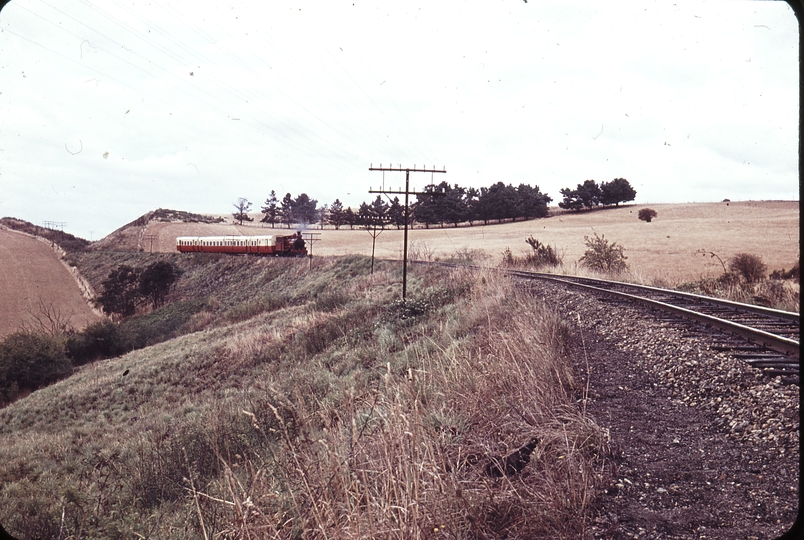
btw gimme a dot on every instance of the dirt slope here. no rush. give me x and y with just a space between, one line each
32 275
663 248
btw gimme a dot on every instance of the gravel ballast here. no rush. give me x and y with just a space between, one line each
709 446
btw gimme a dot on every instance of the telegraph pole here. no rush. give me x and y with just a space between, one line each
406 192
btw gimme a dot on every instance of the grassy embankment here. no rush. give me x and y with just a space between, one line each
310 403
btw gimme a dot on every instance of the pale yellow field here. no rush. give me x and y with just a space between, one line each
32 278
664 248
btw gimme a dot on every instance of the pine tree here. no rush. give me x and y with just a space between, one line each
270 209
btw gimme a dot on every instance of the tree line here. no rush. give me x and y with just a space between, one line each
590 194
438 205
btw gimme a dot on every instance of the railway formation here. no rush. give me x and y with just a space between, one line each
767 339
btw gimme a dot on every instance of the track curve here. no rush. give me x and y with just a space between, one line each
767 339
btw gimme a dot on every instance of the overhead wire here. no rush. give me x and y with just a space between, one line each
226 88
323 141
169 73
372 131
237 59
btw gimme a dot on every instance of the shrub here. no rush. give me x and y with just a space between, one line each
602 257
29 361
749 266
98 340
543 254
647 214
794 273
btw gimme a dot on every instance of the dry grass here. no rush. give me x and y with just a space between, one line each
327 418
664 248
396 460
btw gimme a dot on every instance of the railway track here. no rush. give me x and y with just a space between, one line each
767 339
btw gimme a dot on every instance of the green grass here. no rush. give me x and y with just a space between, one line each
336 411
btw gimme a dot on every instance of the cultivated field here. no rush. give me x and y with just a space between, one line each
32 278
663 249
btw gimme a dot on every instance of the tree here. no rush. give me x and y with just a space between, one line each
337 216
304 209
396 213
243 206
120 291
589 192
602 257
472 195
532 202
647 214
571 199
321 213
617 191
374 218
286 210
349 218
498 201
453 204
156 281
427 209
586 195
270 209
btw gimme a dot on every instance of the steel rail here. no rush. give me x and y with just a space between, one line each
786 346
785 315
771 341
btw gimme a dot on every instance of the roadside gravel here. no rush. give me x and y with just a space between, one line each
709 445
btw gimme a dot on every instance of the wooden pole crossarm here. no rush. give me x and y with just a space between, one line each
401 192
407 193
408 169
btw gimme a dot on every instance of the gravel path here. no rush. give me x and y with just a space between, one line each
710 447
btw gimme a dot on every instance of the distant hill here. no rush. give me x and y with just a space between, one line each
135 236
66 241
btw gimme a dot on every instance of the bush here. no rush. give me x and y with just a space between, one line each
602 257
749 266
98 340
794 273
647 214
30 361
543 255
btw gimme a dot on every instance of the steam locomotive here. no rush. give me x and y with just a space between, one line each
279 246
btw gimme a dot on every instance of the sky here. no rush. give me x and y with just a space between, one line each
113 108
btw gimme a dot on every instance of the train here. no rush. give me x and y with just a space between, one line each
278 246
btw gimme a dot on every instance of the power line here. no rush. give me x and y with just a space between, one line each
406 192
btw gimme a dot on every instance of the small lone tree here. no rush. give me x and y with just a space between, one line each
243 206
374 219
647 214
602 257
